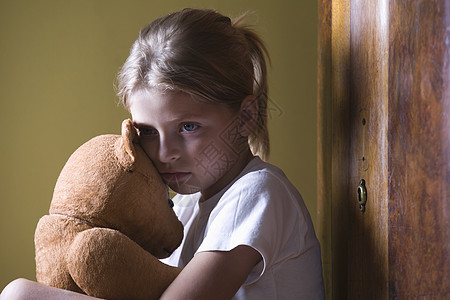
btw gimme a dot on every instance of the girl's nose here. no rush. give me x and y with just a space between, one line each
169 150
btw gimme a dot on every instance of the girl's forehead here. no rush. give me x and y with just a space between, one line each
172 105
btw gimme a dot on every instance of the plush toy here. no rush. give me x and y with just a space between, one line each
110 220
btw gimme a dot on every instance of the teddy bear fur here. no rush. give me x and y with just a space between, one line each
109 222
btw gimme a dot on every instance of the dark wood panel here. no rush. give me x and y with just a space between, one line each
367 256
419 229
359 56
387 63
340 140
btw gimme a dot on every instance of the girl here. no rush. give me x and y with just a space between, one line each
195 84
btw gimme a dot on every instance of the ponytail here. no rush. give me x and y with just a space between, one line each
259 141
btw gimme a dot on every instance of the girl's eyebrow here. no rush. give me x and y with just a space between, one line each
187 116
138 125
181 118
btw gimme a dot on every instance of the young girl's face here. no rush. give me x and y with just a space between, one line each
196 146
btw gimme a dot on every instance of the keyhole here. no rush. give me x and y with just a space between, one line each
362 195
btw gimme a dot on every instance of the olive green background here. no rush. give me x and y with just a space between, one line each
58 64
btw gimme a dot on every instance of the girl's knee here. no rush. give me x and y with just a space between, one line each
18 289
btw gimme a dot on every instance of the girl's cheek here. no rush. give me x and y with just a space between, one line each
194 147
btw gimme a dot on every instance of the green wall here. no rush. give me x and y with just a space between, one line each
58 62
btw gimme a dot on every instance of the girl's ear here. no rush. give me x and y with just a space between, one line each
248 115
124 148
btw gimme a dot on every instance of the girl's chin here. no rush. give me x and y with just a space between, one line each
184 188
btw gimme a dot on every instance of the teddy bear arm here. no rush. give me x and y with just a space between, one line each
107 264
53 236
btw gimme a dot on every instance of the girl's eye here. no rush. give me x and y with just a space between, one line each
189 127
146 131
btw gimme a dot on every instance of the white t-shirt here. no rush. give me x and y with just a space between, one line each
263 210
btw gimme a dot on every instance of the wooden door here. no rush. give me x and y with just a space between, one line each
383 116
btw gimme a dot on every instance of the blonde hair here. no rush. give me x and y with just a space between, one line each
205 54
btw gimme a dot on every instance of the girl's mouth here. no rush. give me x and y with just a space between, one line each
176 177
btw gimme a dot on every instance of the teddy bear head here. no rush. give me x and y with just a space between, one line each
110 182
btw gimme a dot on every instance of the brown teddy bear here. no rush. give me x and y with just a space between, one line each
110 220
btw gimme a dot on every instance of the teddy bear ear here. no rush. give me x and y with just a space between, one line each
124 149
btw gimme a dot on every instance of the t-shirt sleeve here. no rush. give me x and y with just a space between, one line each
259 211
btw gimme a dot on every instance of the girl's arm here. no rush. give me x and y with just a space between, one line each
209 275
214 274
